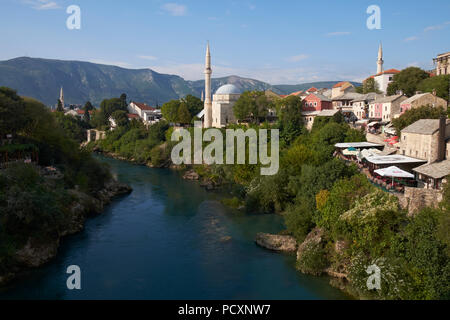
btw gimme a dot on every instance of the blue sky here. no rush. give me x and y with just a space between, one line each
274 41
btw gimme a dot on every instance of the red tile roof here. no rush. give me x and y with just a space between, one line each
337 85
312 89
390 71
296 93
143 106
81 111
132 115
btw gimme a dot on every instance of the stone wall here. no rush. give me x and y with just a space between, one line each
415 199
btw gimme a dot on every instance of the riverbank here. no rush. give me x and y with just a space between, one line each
40 248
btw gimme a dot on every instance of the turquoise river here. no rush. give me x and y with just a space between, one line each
171 239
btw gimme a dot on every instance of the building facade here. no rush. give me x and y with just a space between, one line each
442 62
317 102
425 139
386 108
422 99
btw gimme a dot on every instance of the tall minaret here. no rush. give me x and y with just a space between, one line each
208 105
380 59
61 97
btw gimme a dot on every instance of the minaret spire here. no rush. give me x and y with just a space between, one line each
208 104
61 97
380 59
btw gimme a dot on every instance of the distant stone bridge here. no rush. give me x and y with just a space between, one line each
94 135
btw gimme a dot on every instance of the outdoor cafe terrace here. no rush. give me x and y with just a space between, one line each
389 172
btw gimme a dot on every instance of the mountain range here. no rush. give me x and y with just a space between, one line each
85 81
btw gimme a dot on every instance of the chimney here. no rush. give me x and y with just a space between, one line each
441 138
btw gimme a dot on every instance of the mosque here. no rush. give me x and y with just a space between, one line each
218 112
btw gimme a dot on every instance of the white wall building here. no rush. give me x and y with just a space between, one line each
222 105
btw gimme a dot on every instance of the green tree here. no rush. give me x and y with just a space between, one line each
123 101
290 118
169 110
183 115
60 107
252 106
412 115
88 106
194 104
439 83
12 111
407 81
120 117
370 85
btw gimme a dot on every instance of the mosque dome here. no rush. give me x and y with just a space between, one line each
228 89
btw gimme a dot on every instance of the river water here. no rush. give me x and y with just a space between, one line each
171 239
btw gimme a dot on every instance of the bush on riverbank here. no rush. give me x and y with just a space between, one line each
32 204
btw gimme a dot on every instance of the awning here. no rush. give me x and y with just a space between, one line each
373 123
350 152
394 172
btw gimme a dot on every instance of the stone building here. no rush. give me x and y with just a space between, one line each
222 105
341 88
442 62
425 139
422 99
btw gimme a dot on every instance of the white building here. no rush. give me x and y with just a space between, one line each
222 105
139 108
383 78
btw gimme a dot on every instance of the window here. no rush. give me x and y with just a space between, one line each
425 155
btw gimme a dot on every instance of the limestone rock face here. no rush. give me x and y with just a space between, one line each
191 175
313 238
36 253
415 199
276 242
113 189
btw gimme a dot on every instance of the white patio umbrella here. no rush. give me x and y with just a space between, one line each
394 172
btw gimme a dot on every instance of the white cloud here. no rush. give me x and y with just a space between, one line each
437 27
175 9
297 58
42 4
147 57
338 33
413 38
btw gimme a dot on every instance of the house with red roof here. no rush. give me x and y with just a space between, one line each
311 90
384 78
148 114
340 88
317 102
